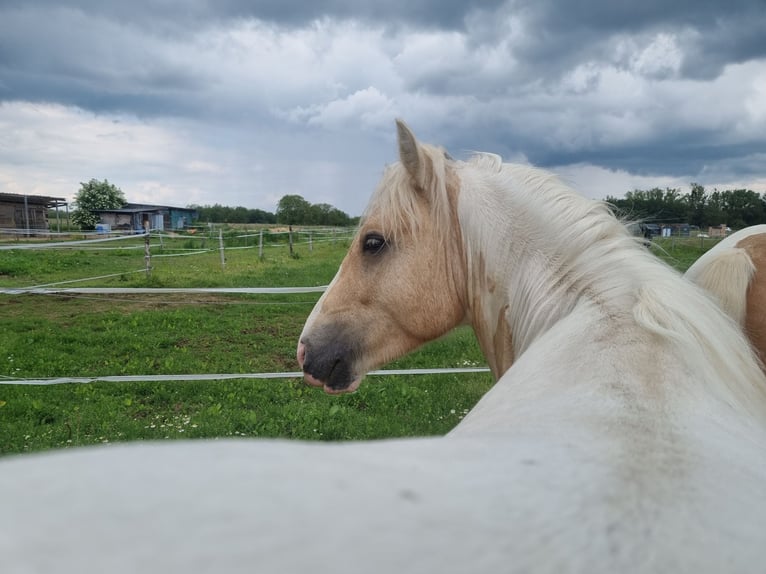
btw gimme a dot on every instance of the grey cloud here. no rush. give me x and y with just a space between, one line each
496 76
175 14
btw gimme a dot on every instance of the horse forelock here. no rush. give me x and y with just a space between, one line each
396 206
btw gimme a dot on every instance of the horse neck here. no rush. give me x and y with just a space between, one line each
535 252
524 269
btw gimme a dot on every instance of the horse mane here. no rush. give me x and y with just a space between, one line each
591 255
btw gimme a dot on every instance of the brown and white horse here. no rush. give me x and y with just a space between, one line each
734 271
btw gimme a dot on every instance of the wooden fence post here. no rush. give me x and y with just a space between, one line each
260 245
147 250
290 238
220 248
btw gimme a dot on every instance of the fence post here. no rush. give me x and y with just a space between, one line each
311 242
220 248
260 245
290 238
147 250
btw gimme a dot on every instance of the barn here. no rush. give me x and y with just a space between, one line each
134 217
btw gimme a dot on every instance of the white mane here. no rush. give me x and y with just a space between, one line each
582 253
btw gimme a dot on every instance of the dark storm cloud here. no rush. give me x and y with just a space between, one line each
175 14
652 87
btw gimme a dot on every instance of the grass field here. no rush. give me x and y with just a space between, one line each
54 336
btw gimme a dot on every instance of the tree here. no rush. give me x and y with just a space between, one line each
293 209
92 196
697 202
744 207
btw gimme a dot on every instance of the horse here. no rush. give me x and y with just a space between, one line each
626 431
733 271
589 336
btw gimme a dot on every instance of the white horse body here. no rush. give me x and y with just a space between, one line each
627 433
538 498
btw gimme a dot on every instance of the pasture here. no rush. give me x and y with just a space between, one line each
165 333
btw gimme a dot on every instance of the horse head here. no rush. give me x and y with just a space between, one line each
399 285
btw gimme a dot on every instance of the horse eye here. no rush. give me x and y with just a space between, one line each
373 243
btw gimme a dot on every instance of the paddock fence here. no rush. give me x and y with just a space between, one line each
160 244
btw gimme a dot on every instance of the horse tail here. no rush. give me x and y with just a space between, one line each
726 274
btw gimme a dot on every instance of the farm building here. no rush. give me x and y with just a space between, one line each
718 230
649 230
134 217
27 212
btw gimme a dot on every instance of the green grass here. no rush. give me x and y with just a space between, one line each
172 265
52 336
681 252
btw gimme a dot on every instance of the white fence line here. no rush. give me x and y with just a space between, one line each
155 233
221 377
8 247
42 290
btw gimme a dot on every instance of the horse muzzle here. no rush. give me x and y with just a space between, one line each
328 362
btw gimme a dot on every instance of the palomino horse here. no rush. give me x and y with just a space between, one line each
733 271
629 435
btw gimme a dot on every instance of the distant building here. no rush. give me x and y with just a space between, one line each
27 212
134 217
718 230
650 230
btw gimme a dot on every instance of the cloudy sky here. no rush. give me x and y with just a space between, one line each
241 102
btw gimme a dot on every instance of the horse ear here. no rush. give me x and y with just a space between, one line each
410 155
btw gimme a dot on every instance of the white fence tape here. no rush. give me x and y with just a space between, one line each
11 246
143 290
221 377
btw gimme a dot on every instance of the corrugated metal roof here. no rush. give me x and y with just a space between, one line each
36 199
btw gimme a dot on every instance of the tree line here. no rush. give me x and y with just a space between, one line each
736 208
291 210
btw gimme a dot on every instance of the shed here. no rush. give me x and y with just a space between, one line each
25 213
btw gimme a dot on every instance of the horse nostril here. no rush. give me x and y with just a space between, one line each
301 355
